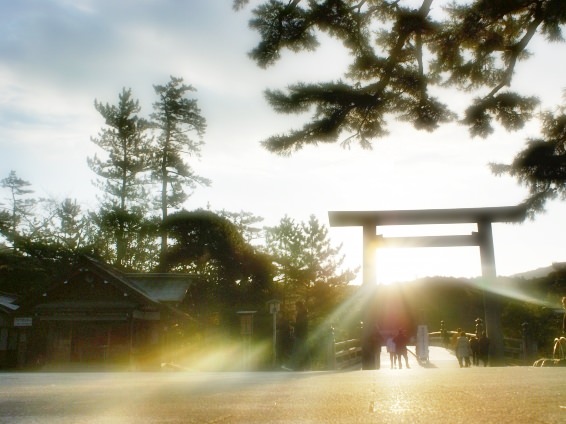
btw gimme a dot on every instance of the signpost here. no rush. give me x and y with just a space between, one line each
23 321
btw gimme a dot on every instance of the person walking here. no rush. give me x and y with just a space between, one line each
474 347
390 344
454 338
401 348
483 349
462 350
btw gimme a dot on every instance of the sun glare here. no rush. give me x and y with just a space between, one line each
395 265
400 264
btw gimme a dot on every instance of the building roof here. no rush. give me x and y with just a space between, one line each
161 291
162 287
7 302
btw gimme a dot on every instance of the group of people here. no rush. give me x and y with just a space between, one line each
470 350
397 349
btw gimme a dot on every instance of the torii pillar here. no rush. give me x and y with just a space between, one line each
482 217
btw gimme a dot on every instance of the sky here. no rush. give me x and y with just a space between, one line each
58 56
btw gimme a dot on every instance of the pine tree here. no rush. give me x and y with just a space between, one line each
400 56
122 171
19 207
308 267
175 116
541 166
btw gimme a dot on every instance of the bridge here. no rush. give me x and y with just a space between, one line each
347 354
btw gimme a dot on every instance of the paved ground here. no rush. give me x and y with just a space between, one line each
441 393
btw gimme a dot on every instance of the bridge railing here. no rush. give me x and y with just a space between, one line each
345 354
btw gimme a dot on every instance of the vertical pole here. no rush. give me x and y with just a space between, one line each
274 338
108 341
491 301
331 350
369 283
368 268
131 355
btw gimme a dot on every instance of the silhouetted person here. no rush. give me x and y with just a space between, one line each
475 348
445 339
300 355
392 351
401 348
462 350
483 348
454 338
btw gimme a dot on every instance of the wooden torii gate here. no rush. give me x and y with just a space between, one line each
482 217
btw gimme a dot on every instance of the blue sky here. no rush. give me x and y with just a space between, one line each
57 56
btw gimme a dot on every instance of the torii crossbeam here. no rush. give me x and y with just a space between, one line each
483 217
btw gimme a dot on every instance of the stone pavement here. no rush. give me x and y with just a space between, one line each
440 393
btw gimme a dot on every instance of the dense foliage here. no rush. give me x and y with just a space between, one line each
43 239
541 166
401 53
406 59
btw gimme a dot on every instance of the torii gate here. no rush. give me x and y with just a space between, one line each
483 217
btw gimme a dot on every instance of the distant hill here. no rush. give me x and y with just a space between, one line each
540 272
459 301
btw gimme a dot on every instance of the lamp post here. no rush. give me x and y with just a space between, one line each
274 307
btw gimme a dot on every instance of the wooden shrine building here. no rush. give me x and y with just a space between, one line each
99 315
